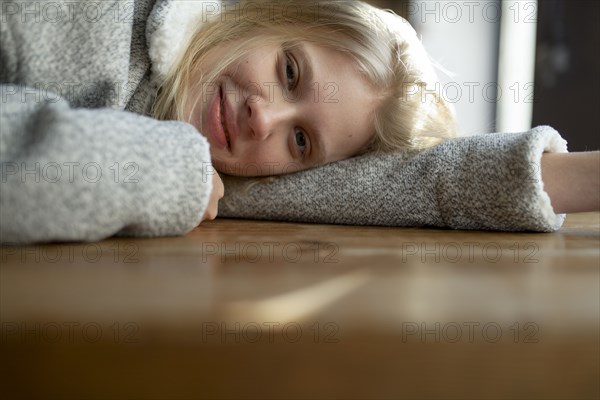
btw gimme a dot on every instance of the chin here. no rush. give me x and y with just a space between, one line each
221 166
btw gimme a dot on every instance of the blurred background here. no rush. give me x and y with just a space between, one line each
514 64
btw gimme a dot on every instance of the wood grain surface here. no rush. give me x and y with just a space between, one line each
252 309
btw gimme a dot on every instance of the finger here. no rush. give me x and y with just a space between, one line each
209 215
220 189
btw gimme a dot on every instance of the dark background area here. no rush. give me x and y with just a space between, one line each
567 83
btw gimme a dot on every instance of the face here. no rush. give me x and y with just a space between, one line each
282 109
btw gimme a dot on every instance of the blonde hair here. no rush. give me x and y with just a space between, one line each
383 46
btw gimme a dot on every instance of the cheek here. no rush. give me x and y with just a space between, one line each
266 155
267 159
259 66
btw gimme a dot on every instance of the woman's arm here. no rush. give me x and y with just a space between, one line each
72 174
483 181
572 180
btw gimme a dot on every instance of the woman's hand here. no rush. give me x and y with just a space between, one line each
572 180
216 194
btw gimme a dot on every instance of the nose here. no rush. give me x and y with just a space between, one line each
267 118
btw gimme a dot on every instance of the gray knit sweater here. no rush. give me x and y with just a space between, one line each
81 160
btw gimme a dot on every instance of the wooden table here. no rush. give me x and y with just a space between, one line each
248 309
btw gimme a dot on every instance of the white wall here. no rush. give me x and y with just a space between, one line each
516 67
463 37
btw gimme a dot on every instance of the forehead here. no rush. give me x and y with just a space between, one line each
342 102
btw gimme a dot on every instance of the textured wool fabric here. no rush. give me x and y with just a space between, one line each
76 165
81 160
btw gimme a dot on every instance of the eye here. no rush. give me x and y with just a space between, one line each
291 73
300 140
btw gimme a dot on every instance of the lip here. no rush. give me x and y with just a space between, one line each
214 121
229 121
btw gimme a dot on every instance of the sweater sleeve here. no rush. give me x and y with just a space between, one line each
483 182
87 174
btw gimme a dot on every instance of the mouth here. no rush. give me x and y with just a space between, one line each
217 122
222 115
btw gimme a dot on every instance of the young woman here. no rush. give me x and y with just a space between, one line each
111 124
281 87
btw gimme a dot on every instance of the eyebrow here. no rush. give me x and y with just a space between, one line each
318 153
